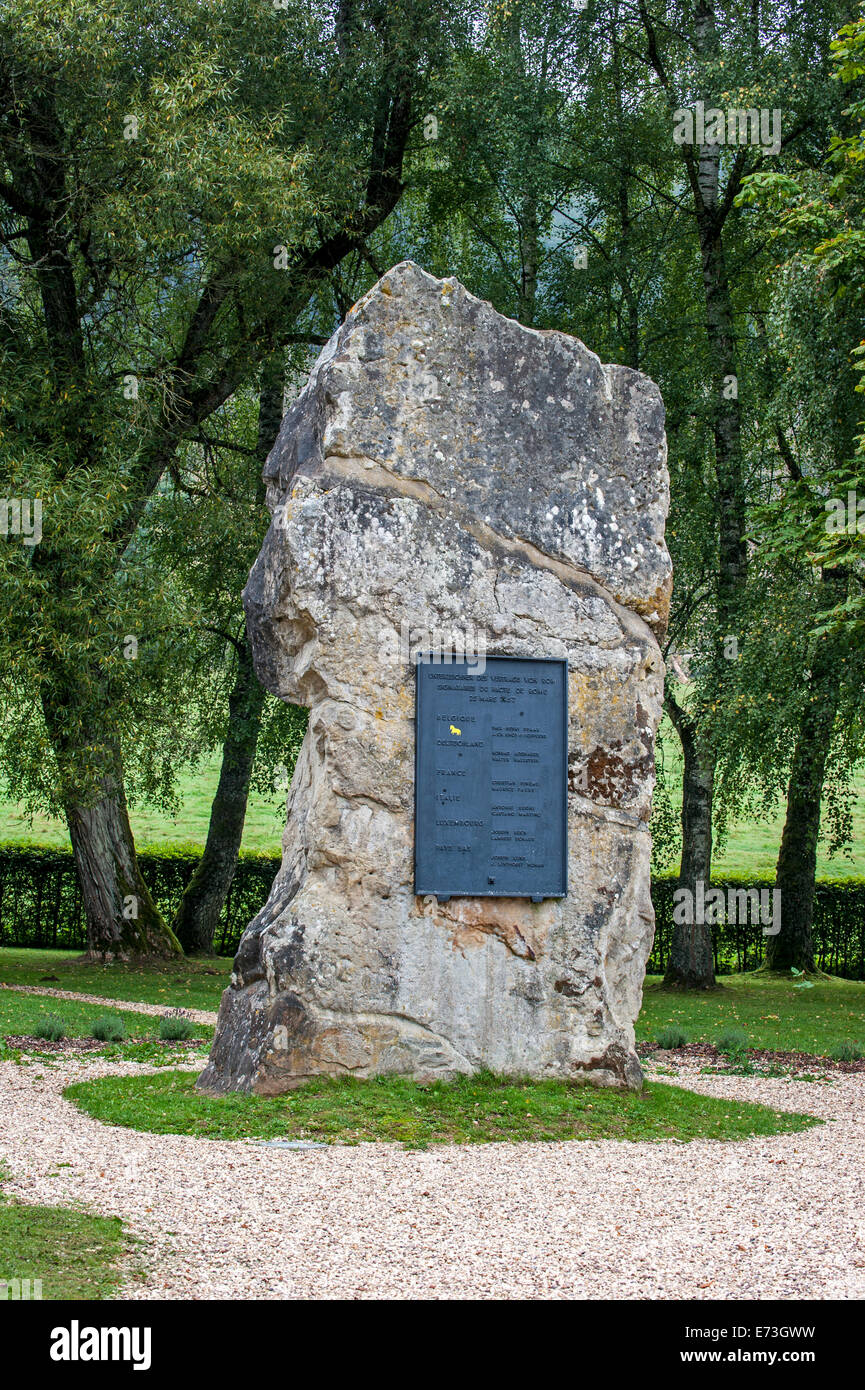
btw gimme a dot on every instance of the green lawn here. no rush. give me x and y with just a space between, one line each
75 1254
185 984
265 819
773 1013
477 1109
20 1014
752 847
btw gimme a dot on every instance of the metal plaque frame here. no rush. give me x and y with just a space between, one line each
473 869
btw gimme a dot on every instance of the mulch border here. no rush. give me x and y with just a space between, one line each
28 1042
707 1052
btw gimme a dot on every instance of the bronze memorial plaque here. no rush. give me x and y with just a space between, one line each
491 777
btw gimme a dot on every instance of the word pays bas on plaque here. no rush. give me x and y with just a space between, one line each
491 778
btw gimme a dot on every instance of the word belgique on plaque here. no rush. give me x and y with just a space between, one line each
465 870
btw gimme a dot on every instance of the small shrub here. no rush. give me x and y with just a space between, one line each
732 1041
108 1029
52 1028
847 1051
671 1037
175 1026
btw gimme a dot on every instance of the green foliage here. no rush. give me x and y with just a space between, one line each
847 1051
733 1042
175 1026
471 1110
40 906
52 1028
524 174
815 215
209 166
40 900
259 127
672 1037
108 1029
838 929
666 820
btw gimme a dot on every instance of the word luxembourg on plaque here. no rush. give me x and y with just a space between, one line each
491 778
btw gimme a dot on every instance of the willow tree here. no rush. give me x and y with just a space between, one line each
812 528
174 182
205 530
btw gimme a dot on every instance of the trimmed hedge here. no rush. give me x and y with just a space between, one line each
40 902
838 931
40 906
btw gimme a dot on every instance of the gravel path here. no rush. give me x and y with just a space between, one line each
130 1006
766 1218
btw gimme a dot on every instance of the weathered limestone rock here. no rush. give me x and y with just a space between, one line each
447 470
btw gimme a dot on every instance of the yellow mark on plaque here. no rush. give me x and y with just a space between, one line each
455 730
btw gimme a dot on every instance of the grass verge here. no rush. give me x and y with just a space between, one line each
471 1110
74 1253
20 1014
184 984
769 1008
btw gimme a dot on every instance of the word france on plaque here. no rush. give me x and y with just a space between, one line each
491 778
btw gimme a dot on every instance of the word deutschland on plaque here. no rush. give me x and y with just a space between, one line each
491 778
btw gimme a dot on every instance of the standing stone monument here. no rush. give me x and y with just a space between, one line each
449 477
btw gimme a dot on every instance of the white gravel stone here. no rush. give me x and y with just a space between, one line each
776 1217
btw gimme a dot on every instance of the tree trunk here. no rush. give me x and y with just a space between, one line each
122 919
732 551
703 170
630 327
198 915
691 962
797 859
530 239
